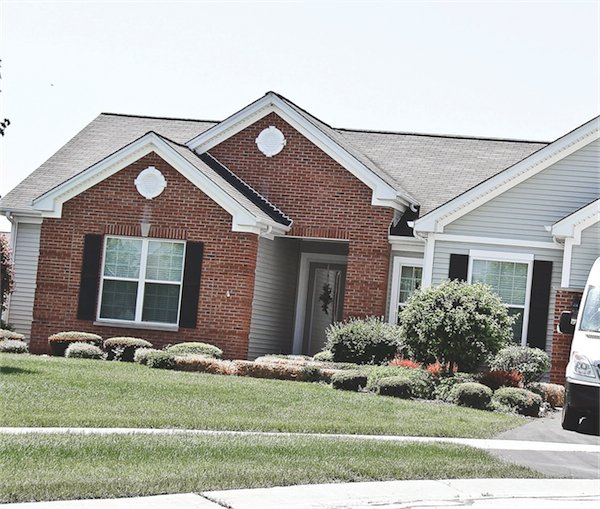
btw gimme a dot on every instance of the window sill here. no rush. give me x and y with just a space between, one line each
138 325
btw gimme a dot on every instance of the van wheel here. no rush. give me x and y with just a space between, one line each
570 418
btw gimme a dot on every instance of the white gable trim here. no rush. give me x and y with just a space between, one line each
383 193
50 204
436 220
569 229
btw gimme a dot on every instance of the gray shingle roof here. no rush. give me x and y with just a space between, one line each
435 169
431 169
105 135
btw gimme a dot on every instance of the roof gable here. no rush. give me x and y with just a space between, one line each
385 193
477 196
250 212
575 223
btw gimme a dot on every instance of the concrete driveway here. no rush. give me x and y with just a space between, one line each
576 465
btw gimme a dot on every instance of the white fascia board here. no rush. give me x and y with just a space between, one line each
413 244
22 215
436 220
50 204
572 225
383 193
498 241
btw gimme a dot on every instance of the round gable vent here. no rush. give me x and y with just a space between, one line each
150 183
270 141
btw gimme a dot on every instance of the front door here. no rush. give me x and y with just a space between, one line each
324 303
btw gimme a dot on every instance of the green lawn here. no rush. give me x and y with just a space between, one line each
49 391
53 391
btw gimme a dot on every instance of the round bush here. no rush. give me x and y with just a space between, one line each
444 385
60 341
160 359
368 341
553 394
531 363
123 348
141 355
521 401
324 356
8 334
455 322
81 350
472 394
422 383
349 380
13 346
396 386
196 348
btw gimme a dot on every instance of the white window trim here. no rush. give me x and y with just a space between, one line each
137 322
500 256
397 264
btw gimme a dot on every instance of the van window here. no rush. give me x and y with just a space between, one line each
590 320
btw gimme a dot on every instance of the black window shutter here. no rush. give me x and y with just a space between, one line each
459 267
191 285
90 268
538 307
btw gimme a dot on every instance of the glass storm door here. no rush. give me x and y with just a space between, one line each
324 304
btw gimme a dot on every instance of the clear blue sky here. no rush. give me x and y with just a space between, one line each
523 69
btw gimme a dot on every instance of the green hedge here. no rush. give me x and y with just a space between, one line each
521 401
349 380
396 386
82 350
123 348
13 346
60 341
196 348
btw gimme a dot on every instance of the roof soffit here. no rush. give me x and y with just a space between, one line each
384 194
436 220
243 218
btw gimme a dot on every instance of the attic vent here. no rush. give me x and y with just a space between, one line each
270 141
150 183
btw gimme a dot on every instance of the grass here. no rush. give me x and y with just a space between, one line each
58 467
54 391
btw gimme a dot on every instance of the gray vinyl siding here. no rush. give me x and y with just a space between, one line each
524 211
272 326
25 262
585 255
441 266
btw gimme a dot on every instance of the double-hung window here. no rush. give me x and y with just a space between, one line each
509 275
141 280
407 274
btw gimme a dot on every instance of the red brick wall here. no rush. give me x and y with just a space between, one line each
181 211
561 343
324 200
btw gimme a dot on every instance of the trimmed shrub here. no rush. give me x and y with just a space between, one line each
81 350
8 334
311 374
521 401
141 355
455 322
553 394
499 378
532 363
160 359
445 384
123 348
349 380
368 341
396 386
60 341
323 356
13 346
422 383
195 348
204 364
472 394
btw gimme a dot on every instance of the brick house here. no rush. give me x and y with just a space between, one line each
255 233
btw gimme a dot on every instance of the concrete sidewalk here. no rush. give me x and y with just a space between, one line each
475 493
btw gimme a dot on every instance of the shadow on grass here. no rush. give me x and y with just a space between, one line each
8 370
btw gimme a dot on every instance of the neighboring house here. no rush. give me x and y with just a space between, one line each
257 232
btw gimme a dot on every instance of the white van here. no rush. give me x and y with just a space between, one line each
583 371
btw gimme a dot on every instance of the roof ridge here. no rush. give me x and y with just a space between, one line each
434 135
129 115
